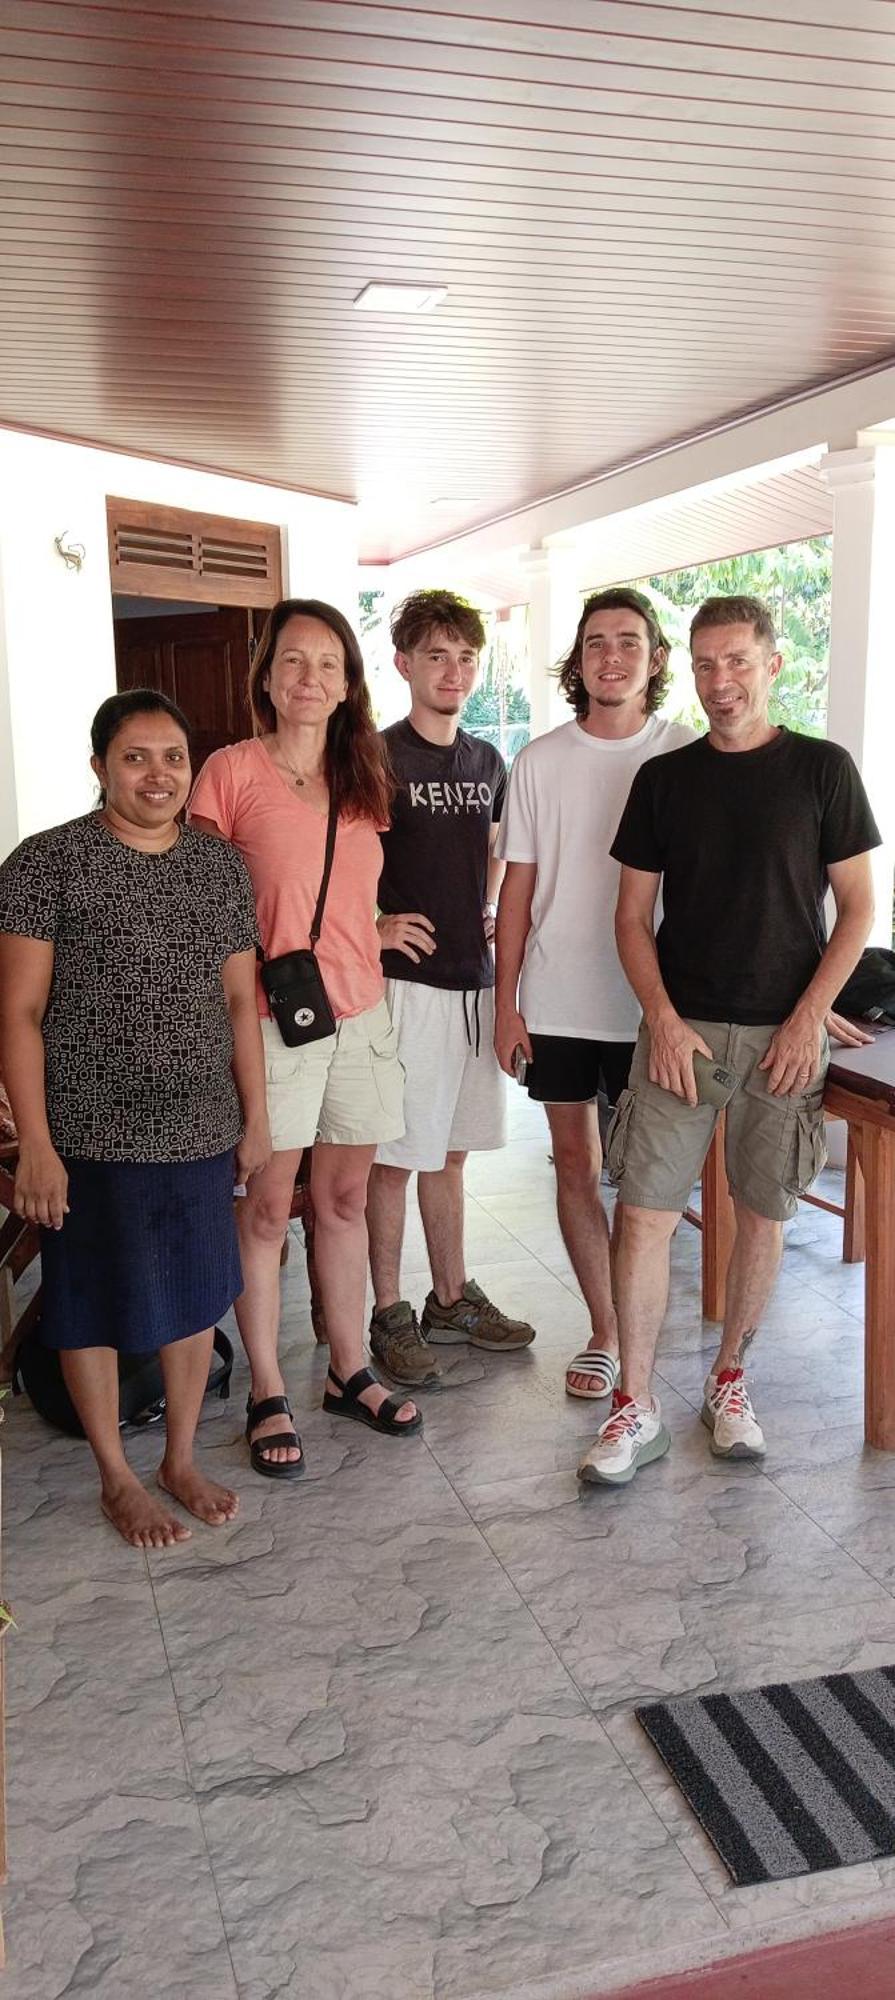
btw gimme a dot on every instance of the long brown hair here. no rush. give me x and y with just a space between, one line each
619 598
354 764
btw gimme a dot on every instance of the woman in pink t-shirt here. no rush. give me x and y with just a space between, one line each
342 1094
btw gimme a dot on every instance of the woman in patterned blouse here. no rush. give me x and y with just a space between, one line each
130 1046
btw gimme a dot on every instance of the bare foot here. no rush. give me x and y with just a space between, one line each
203 1497
139 1517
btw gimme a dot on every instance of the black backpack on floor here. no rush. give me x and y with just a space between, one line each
869 995
141 1393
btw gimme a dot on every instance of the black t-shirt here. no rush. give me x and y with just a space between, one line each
743 840
436 852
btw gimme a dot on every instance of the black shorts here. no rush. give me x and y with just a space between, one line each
567 1069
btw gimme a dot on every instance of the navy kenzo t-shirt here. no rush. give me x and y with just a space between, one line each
436 852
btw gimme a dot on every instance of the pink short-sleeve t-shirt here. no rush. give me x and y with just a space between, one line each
282 842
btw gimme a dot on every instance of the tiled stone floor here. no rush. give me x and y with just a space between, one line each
375 1739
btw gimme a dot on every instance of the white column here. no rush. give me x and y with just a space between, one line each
551 576
861 706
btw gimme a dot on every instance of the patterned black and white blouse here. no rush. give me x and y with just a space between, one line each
137 1033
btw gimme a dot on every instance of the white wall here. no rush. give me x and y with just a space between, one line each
9 823
57 655
861 707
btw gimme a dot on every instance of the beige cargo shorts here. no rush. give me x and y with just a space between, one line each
774 1146
346 1089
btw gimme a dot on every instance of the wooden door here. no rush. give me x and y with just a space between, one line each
201 660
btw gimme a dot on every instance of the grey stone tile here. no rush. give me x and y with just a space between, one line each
120 1904
849 1490
690 1579
525 1424
110 1891
409 1634
467 1864
414 1763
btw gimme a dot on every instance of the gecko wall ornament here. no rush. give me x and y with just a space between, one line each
73 553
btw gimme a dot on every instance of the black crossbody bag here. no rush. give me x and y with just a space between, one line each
293 982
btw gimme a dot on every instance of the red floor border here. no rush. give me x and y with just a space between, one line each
856 1964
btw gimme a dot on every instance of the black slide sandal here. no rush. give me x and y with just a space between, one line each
384 1419
284 1468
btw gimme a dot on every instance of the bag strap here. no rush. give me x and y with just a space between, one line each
331 823
224 1349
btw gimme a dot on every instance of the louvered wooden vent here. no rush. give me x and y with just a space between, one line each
165 552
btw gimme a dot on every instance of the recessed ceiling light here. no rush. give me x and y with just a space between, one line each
400 298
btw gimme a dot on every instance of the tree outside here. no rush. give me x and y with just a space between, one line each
386 690
795 581
499 709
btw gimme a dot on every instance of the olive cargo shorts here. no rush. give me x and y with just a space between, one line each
774 1146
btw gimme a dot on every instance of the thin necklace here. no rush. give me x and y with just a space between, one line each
294 775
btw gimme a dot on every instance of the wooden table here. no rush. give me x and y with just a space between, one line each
860 1089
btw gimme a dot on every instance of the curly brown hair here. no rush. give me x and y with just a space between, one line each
355 767
620 598
429 610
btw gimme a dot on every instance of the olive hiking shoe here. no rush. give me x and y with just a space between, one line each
396 1342
473 1318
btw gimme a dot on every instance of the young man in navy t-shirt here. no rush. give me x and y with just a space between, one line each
436 894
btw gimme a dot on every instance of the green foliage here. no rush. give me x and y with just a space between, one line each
498 708
794 581
483 707
370 604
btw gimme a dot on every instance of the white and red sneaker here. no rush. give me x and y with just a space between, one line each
632 1435
727 1412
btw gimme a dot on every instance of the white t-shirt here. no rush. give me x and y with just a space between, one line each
566 797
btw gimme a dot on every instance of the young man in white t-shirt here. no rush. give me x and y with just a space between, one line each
562 998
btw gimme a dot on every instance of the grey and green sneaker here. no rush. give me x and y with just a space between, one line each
473 1318
396 1342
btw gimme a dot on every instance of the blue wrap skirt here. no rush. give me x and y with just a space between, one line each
147 1254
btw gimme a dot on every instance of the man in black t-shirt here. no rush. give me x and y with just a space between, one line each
435 894
745 830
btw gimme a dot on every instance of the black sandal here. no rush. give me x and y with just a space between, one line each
349 1405
282 1468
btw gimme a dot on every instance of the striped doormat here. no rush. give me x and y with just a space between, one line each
786 1780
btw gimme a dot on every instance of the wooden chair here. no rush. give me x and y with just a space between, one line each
19 1245
302 1211
717 1221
